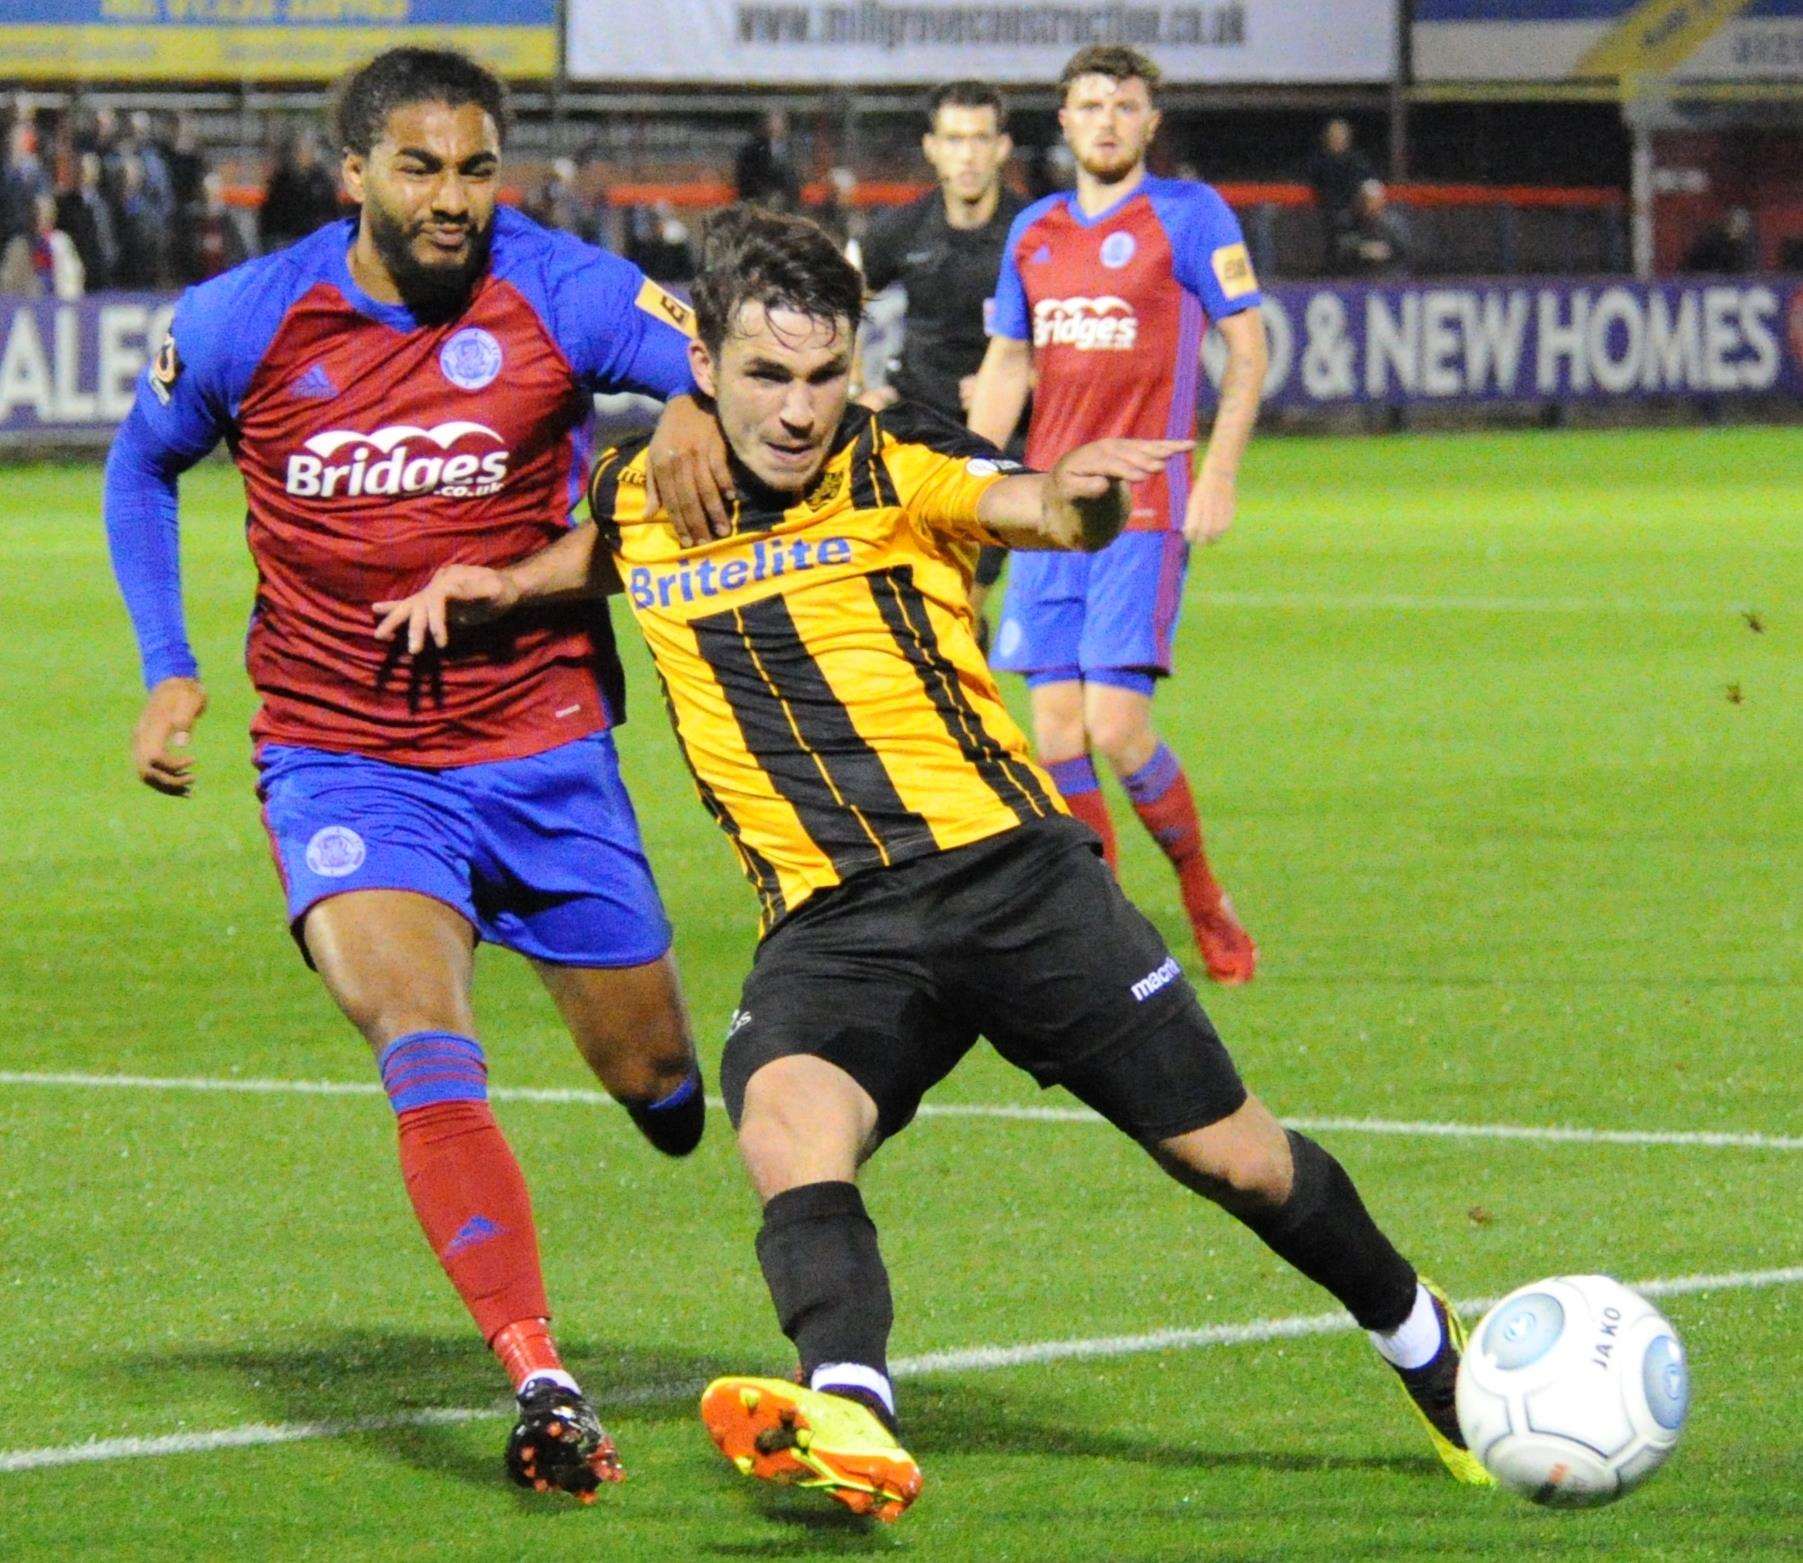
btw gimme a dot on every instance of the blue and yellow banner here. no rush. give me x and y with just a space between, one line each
1609 41
261 40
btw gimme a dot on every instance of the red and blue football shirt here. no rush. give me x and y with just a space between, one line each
375 447
1115 306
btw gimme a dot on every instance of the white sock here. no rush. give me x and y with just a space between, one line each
854 1375
556 1376
1413 1343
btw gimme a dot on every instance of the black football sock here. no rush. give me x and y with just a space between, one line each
1324 1230
673 1123
819 1252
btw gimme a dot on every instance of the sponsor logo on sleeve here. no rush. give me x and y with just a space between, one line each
471 359
1233 270
165 369
666 307
991 466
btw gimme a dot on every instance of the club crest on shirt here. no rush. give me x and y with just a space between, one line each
165 369
827 489
335 852
1117 250
471 359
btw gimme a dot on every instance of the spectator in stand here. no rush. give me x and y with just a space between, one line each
837 213
143 231
765 168
96 129
302 194
559 203
214 240
22 180
41 263
1338 171
1725 248
187 161
658 243
1374 241
85 214
144 205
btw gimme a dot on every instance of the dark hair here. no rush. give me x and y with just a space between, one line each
751 255
966 95
398 77
1114 60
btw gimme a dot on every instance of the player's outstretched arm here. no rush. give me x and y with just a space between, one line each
687 474
1211 502
1083 502
1000 394
466 594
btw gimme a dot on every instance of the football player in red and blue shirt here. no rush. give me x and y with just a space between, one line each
1101 306
414 383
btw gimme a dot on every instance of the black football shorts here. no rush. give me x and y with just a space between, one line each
1023 938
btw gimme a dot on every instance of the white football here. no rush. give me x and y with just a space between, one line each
1573 1390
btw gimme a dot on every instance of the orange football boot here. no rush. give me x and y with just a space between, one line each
789 1434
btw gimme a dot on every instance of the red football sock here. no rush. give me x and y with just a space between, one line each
471 1199
525 1349
1082 793
468 1191
1161 797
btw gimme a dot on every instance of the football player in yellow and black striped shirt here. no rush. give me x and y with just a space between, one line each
920 882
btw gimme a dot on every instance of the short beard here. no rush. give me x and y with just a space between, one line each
431 293
1115 172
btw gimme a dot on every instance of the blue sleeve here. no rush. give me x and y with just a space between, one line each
185 402
1208 248
1012 318
620 330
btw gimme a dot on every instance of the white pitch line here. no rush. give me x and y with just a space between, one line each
1408 602
973 1359
1731 1139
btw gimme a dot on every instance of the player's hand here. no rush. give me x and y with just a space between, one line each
1210 509
687 474
1086 472
457 594
164 728
879 397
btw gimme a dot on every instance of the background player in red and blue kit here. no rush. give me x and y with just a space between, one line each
414 383
1101 305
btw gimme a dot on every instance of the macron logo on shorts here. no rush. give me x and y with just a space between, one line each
1163 977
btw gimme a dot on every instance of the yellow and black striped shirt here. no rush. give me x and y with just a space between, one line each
820 663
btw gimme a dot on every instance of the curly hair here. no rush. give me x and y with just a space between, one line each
1114 60
398 77
751 255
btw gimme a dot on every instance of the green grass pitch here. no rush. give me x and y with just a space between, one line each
1501 774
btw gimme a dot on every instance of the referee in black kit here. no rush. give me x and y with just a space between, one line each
946 251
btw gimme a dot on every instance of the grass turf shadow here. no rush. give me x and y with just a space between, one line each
945 1414
352 1374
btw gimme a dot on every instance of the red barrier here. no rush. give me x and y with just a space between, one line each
708 193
